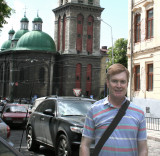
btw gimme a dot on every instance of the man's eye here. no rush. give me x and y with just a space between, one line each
114 81
123 82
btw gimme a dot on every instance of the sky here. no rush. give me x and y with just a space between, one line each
114 16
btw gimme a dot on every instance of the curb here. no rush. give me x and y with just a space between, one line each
153 138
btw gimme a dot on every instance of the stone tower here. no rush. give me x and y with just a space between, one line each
77 39
77 29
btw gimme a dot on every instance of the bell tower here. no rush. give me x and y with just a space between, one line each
77 29
77 39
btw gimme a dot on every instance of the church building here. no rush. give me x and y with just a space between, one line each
32 63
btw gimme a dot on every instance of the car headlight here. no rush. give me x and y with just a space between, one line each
76 129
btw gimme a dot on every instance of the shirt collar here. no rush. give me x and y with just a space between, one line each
106 102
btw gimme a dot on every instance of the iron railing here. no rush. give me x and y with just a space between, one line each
153 123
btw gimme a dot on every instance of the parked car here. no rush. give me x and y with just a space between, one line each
15 114
58 124
4 130
7 150
37 102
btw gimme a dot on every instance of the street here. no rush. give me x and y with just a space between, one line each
15 138
16 135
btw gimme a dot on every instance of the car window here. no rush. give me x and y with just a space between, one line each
70 107
15 109
49 104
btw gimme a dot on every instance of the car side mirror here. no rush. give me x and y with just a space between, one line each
49 112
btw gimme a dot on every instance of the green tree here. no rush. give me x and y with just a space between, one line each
119 52
5 12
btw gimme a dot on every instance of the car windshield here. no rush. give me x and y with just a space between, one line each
16 109
69 108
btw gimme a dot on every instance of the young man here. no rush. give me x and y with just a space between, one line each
129 138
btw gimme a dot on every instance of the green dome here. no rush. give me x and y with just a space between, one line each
6 45
11 32
18 34
37 19
24 19
36 40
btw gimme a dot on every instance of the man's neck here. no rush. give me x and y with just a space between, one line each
116 102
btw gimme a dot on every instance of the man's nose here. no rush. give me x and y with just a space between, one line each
118 84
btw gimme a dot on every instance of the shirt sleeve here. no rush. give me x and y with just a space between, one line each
142 132
89 126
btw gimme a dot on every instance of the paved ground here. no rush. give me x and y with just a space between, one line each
153 144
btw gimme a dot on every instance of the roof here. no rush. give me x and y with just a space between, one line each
37 19
36 40
11 31
6 45
24 19
18 34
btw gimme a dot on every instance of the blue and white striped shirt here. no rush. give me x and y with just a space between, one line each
123 140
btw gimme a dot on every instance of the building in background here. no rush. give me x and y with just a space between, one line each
36 65
144 55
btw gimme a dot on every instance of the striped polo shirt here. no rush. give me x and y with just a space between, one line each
123 140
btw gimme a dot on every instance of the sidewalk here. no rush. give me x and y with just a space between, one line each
153 135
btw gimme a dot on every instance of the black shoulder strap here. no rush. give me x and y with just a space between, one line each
111 128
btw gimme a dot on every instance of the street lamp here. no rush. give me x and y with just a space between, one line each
111 37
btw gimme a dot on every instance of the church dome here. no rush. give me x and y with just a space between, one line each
6 45
36 40
11 31
37 19
18 34
24 19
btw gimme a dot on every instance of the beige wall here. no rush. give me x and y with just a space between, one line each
144 52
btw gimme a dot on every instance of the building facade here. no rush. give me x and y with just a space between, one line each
35 64
144 54
77 39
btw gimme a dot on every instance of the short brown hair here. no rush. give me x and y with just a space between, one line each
116 69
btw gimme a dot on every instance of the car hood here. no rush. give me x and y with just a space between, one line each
14 115
76 120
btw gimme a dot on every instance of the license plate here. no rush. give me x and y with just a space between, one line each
17 121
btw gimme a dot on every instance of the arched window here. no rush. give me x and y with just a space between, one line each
41 74
59 33
64 32
88 79
79 33
1 75
7 73
78 75
90 2
61 2
89 34
21 76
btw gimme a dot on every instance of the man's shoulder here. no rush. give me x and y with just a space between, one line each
135 108
100 103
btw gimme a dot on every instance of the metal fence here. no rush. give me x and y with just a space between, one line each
153 123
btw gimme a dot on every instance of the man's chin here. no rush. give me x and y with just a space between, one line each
119 96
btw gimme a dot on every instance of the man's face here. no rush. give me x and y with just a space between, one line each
118 85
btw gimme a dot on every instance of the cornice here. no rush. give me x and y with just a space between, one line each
78 6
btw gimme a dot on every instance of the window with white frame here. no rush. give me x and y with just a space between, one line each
137 78
149 33
149 77
137 28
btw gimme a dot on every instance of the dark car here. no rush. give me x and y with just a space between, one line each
58 123
7 150
15 115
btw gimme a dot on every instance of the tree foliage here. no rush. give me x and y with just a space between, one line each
119 52
5 12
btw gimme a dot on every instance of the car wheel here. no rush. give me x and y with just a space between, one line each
63 146
32 145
